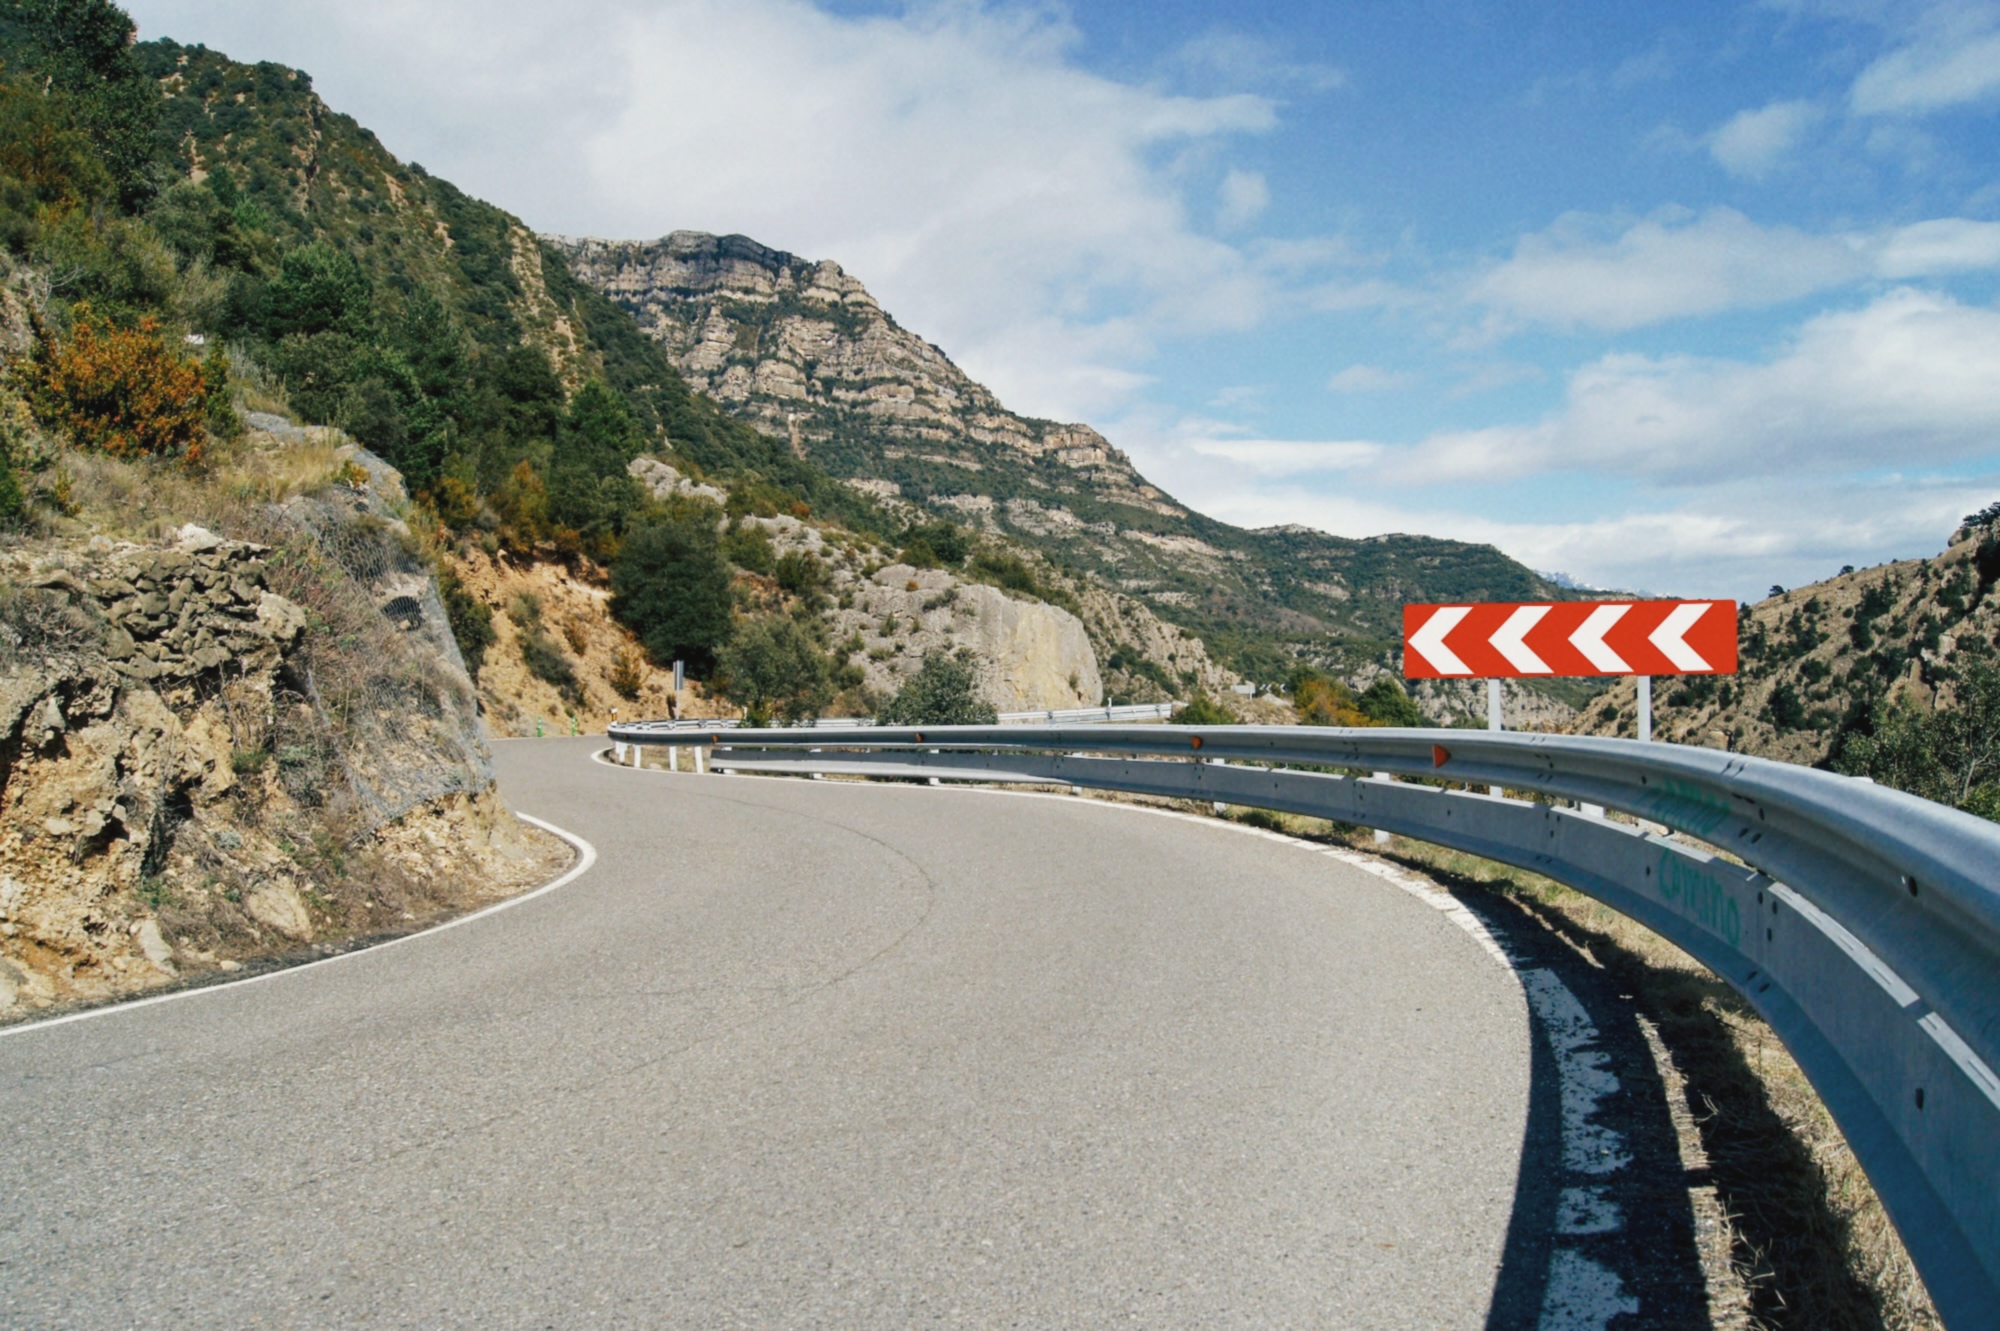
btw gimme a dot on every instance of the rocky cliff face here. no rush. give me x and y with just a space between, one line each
213 751
800 348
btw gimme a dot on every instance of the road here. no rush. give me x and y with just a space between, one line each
798 1054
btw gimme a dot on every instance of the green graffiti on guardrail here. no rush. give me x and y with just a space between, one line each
1684 805
1697 895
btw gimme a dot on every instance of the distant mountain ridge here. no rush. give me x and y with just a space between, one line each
800 348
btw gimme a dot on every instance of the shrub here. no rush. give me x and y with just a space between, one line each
1950 754
1385 703
628 673
124 391
1007 571
471 622
801 573
943 692
1322 700
670 586
1202 710
773 666
546 662
749 548
927 545
1785 709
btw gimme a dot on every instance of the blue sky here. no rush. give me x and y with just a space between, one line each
1691 298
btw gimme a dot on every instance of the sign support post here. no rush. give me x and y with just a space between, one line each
1645 709
1494 720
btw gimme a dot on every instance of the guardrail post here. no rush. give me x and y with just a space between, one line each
1381 837
700 765
673 757
821 776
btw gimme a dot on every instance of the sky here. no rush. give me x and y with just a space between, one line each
1690 299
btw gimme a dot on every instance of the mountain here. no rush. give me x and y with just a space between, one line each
799 348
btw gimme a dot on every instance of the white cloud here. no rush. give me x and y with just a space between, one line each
1752 143
1943 245
1864 437
1023 212
1290 457
1245 196
1905 381
1239 60
1953 60
1370 379
1669 266
1678 265
1733 537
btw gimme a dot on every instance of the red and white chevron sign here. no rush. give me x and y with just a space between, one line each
1569 638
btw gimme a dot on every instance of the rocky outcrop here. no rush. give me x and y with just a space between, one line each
801 348
1145 658
213 751
665 482
175 616
1033 655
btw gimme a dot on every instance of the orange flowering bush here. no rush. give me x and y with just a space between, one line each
1328 702
126 391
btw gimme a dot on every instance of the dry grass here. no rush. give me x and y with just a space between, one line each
144 500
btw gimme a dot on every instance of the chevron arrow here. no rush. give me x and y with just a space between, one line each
1428 641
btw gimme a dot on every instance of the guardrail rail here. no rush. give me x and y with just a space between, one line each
1861 922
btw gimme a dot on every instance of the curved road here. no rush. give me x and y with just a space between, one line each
800 1054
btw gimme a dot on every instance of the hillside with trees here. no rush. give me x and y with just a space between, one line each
1891 672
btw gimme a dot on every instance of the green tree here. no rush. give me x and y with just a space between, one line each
318 289
801 573
1948 753
83 50
943 692
670 586
1385 703
599 432
773 666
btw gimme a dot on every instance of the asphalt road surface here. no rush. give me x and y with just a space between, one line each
804 1054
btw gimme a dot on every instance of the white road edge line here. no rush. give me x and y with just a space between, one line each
586 857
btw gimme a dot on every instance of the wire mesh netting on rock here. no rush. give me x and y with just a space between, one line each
378 706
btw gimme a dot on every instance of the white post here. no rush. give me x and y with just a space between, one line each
1645 709
699 766
817 776
1493 717
618 748
1381 837
673 757
1220 807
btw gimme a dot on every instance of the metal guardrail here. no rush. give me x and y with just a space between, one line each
1072 716
1862 923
